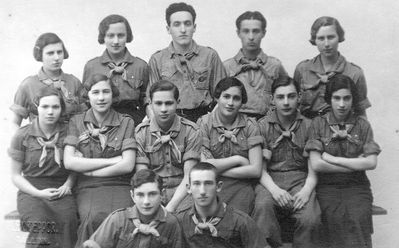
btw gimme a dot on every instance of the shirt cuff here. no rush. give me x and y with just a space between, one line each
191 155
17 155
129 143
254 141
314 145
71 141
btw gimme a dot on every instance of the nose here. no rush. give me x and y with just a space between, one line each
326 43
341 103
115 40
146 200
183 28
202 189
50 111
230 102
251 36
101 96
285 101
163 108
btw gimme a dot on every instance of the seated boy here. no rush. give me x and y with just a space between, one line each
146 224
212 223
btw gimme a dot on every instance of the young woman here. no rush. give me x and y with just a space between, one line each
50 50
342 148
313 74
232 143
48 210
128 73
100 146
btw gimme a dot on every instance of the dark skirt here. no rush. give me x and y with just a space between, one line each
95 204
49 223
346 216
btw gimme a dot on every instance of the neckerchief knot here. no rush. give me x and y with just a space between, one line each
207 225
98 133
49 144
231 135
286 134
167 139
117 69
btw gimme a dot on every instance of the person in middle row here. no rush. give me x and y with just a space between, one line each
194 69
100 145
168 144
256 70
231 141
127 72
286 188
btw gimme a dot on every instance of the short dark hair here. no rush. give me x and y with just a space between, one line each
164 85
285 81
112 19
44 40
251 15
323 22
176 7
204 166
340 81
145 176
228 82
95 78
49 91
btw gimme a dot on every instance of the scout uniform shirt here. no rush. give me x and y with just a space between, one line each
195 74
68 85
166 158
311 76
121 229
117 136
229 228
257 76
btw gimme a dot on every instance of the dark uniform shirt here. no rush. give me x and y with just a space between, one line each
257 81
360 143
235 230
68 85
117 229
313 89
195 74
120 137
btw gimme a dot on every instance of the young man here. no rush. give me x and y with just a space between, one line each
194 69
212 223
145 225
168 144
252 66
287 183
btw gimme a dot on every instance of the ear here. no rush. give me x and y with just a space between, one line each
132 196
238 33
272 99
188 188
168 29
219 186
264 33
195 27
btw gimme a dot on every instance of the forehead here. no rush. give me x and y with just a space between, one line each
285 90
181 16
250 24
202 175
49 100
342 92
52 47
101 85
234 90
147 187
118 27
163 96
326 30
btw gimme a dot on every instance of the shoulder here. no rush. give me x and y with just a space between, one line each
273 60
353 68
159 53
251 122
172 219
29 80
190 124
205 120
71 78
306 121
304 64
208 51
139 62
77 118
263 123
363 122
142 126
22 133
95 60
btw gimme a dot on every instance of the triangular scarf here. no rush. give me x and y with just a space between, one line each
49 144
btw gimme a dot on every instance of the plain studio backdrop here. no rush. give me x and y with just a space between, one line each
372 38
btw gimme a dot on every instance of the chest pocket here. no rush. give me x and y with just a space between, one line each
33 152
201 78
113 148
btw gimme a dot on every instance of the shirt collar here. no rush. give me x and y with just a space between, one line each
220 211
239 122
194 49
317 65
35 131
333 121
176 126
43 76
127 58
272 118
160 215
111 120
240 56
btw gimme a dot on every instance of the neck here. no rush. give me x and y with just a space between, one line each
207 211
147 218
329 62
48 130
100 117
52 74
165 126
227 121
182 49
117 58
286 121
252 54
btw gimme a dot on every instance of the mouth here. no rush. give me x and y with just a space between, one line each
286 110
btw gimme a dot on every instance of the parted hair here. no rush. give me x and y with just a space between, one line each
95 78
176 7
323 22
112 19
251 15
164 85
44 40
228 82
285 81
49 91
145 176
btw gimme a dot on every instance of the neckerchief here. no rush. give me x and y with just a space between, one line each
341 132
166 139
249 65
49 144
117 69
184 60
289 134
231 135
207 225
95 132
59 85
